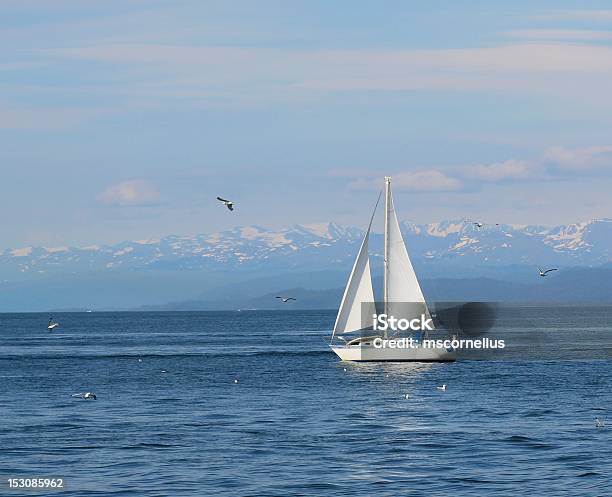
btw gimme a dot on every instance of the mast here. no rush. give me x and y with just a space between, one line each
386 256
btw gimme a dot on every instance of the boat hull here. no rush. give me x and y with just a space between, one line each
360 353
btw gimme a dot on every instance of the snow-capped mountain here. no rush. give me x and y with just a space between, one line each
457 243
250 261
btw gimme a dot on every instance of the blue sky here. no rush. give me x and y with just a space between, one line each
125 119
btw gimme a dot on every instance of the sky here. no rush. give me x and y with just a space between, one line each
124 119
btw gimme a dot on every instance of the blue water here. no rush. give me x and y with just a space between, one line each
298 422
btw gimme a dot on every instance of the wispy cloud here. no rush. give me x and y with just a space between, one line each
136 192
511 169
602 15
553 164
426 180
559 34
221 74
30 117
582 159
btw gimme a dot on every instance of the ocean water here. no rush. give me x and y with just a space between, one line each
170 420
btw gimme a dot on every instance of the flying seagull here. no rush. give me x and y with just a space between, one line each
228 203
477 224
286 299
51 324
600 423
544 273
85 396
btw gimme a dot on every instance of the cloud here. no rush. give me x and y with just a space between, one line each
601 15
218 75
559 34
45 118
426 181
512 169
554 164
429 180
136 192
581 159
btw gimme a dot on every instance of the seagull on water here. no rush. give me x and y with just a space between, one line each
51 324
85 396
600 423
442 388
228 203
544 273
286 299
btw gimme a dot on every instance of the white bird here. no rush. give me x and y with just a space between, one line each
286 299
235 381
345 370
443 388
228 203
600 423
406 396
477 224
85 396
51 324
544 273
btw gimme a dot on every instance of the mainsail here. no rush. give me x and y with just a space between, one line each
403 295
358 300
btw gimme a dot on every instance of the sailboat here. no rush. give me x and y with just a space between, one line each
402 299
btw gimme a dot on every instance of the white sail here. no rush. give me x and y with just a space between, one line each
358 299
404 298
358 293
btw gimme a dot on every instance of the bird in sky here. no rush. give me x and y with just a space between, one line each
600 423
85 396
478 225
286 299
228 203
545 273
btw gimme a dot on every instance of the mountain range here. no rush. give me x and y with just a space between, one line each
247 262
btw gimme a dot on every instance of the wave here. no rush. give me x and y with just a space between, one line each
122 355
536 413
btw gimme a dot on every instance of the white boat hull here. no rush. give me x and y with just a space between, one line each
369 353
